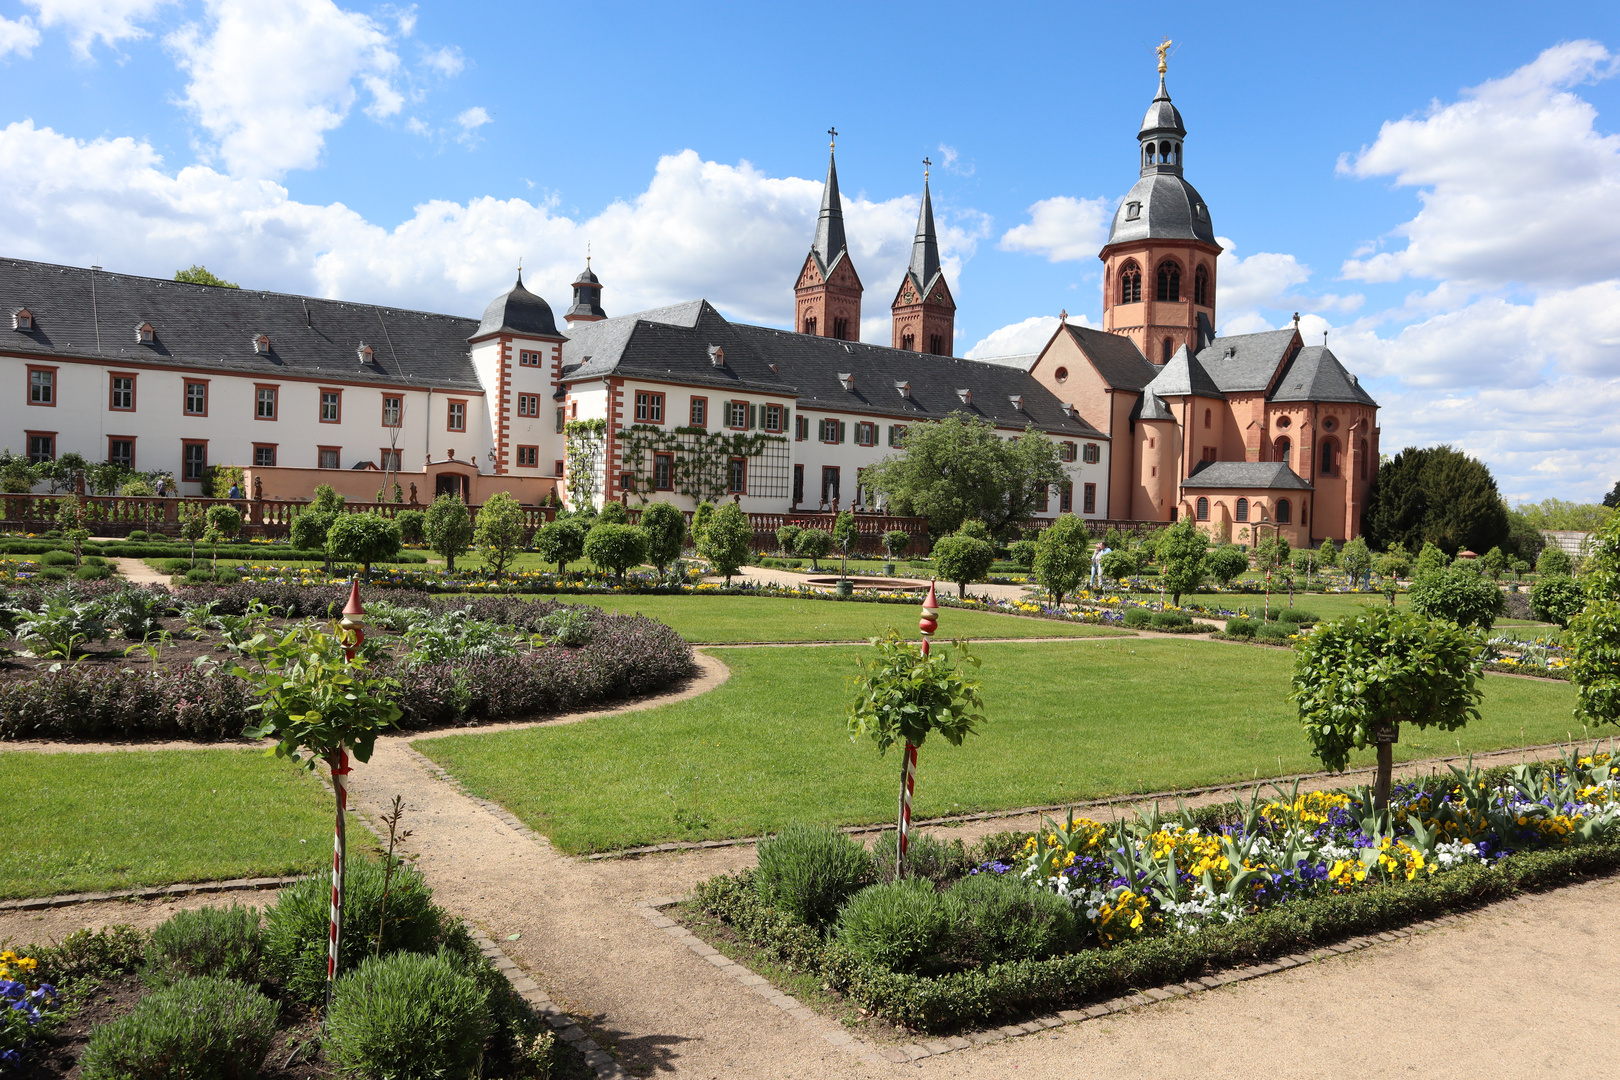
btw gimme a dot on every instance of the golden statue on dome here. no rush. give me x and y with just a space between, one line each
1161 48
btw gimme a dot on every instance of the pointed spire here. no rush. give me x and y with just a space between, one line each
925 246
830 225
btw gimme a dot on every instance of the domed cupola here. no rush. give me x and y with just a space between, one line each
517 311
587 298
1162 205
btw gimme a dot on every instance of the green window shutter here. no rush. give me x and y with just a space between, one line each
787 418
843 430
753 416
891 434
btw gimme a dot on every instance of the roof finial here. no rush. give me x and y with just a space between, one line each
1063 316
1161 48
926 164
587 254
832 138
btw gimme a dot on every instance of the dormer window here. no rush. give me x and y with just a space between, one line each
965 396
364 352
717 356
1017 401
846 379
1133 211
1068 410
904 389
22 319
1201 211
261 344
144 334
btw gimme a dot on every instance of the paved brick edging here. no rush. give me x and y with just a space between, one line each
159 892
1024 811
907 1052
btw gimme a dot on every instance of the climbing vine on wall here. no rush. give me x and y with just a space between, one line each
701 459
583 441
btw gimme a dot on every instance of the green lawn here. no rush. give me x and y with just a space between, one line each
731 619
1068 721
120 820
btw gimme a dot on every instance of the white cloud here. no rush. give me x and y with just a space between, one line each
1516 185
269 78
1244 286
949 161
111 21
1016 338
447 61
471 120
725 232
1062 228
17 36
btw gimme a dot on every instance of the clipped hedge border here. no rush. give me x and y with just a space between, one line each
999 991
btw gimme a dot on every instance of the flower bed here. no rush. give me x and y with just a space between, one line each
608 657
1161 900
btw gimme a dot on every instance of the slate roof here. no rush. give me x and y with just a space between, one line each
1115 356
518 311
1152 407
208 327
1315 374
1167 206
1184 375
829 243
924 246
1246 362
674 343
1162 116
1259 475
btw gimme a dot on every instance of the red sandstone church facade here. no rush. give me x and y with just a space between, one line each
1250 435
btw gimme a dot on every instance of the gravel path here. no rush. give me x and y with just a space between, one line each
137 571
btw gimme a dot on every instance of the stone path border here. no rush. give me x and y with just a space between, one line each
905 1053
156 892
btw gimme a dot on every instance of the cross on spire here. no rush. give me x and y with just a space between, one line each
832 138
926 164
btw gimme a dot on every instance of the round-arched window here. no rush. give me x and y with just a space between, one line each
1203 508
1130 283
1282 449
1208 415
1243 509
1284 512
1169 281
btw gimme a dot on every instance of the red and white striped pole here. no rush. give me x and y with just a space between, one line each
353 634
908 768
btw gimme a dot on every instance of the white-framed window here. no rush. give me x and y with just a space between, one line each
265 403
331 406
649 407
737 414
1093 453
393 408
196 399
122 395
456 416
329 457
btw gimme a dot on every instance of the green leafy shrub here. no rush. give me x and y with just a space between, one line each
1556 598
199 575
786 537
809 870
137 536
200 1029
412 526
725 539
296 928
963 558
616 548
57 558
206 941
665 530
409 1017
1169 620
363 539
1296 616
926 856
813 544
175 566
101 954
87 572
94 560
1275 631
560 542
1458 593
1022 552
613 513
570 626
1005 918
1241 627
1138 617
902 925
227 575
53 573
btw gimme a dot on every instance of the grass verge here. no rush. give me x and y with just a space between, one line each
1068 721
94 822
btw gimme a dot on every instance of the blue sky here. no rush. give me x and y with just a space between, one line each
1442 194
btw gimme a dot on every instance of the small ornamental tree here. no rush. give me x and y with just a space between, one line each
1356 680
845 534
1593 639
318 702
308 529
1226 564
962 558
785 538
700 520
1305 562
411 524
1180 551
1062 557
1023 553
1557 599
614 513
561 542
194 526
1355 560
665 527
448 527
363 539
1554 560
902 695
499 534
896 542
1121 562
724 541
1327 554
1494 562
1458 594
224 522
813 544
70 518
616 547
1429 560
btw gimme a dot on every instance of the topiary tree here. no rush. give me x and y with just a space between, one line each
1062 556
1494 562
1305 562
1554 560
194 526
813 544
786 536
1180 552
363 539
903 694
1355 560
1226 564
1358 679
1327 554
614 513
309 526
224 522
1557 599
412 526
896 542
666 529
724 541
560 542
1429 560
700 520
962 557
1593 638
1121 562
616 547
1459 595
1023 552
448 527
500 530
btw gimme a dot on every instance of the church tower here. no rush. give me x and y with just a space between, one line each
1159 262
924 311
827 296
587 298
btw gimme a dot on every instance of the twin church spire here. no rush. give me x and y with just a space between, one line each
827 295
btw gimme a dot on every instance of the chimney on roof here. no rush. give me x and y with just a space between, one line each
966 396
847 379
717 356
